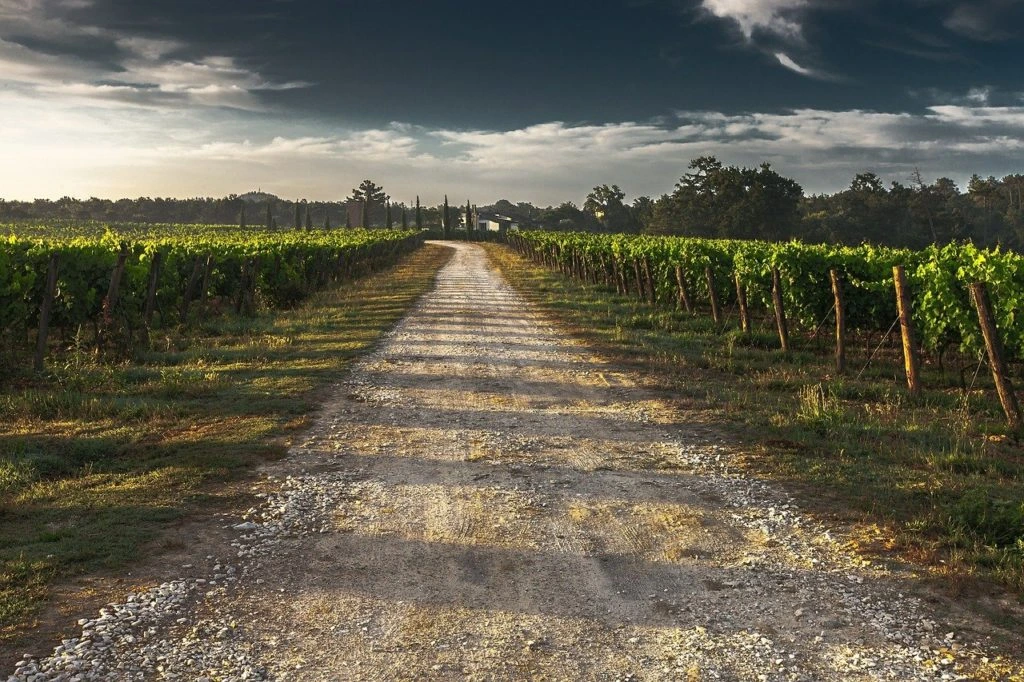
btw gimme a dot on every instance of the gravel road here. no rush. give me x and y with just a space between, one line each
482 499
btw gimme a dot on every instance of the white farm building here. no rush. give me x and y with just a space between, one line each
495 223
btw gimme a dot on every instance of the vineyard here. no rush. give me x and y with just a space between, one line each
116 286
806 285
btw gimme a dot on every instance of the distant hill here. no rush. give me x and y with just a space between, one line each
258 197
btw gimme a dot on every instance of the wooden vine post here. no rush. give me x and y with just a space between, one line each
780 310
996 357
651 294
837 293
684 294
249 294
243 285
190 287
716 312
205 286
154 279
741 300
603 270
910 360
45 310
114 288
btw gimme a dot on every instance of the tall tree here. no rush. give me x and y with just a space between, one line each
642 213
713 200
405 218
470 226
925 203
298 215
372 196
387 218
984 192
419 214
605 204
309 219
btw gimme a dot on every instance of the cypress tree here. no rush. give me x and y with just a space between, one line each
469 221
446 218
405 218
419 214
298 215
387 220
309 219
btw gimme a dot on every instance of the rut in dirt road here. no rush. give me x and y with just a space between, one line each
485 499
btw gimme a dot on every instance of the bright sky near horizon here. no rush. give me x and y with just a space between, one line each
529 101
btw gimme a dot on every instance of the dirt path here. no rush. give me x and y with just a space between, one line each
486 500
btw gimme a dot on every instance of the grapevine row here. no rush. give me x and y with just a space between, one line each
673 270
105 282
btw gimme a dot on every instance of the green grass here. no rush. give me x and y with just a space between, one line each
97 459
935 479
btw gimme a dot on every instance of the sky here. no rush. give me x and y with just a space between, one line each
527 100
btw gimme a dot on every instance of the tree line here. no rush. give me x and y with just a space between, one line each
715 200
710 199
367 206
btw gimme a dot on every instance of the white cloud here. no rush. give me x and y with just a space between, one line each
19 64
790 64
86 138
143 75
979 117
148 48
380 145
770 16
979 95
765 23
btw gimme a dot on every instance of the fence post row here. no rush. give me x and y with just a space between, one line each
367 258
615 272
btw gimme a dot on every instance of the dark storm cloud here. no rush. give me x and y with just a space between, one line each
987 20
456 62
